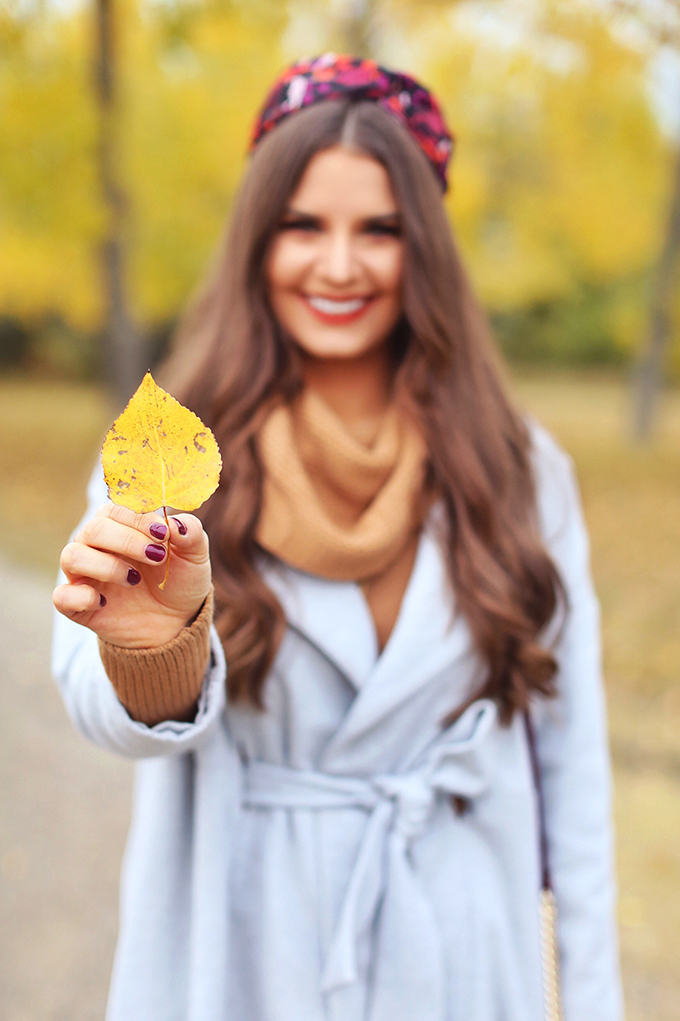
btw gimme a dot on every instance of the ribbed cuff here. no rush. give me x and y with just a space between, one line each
162 683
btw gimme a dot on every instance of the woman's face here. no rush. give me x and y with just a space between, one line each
334 269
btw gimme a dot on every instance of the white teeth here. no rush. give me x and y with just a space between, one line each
331 307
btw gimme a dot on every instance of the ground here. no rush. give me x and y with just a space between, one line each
64 805
64 808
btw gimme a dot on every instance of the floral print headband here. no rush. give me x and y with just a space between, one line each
331 76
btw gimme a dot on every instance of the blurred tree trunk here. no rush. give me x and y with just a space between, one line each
649 375
123 355
662 23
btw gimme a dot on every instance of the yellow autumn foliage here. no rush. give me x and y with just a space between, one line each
561 171
560 177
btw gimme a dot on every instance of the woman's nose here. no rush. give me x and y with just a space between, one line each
339 265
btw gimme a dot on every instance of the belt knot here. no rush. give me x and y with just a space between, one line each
384 888
413 795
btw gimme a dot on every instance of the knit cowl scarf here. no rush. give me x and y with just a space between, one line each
336 508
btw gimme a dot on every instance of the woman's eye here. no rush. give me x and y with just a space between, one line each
384 230
306 225
375 229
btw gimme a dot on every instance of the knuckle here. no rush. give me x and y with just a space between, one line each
112 570
92 531
76 558
195 527
62 597
123 515
129 544
67 555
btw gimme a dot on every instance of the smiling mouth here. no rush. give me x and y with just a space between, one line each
335 309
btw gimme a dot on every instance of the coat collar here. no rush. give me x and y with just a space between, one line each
334 616
427 638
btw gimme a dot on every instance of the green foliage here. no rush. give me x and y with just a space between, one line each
50 346
587 326
62 351
14 343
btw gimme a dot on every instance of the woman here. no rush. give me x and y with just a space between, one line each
348 828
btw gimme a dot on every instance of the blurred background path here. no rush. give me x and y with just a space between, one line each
64 807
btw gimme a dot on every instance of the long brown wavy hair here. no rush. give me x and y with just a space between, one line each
232 361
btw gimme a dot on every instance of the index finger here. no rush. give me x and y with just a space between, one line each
142 522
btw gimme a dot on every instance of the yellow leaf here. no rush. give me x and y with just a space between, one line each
159 454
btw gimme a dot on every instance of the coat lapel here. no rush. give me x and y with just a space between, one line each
427 638
332 615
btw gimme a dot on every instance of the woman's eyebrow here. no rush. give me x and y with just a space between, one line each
380 218
384 218
300 214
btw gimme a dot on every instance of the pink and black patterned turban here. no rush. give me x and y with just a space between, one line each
331 76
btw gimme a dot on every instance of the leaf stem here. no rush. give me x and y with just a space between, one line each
167 559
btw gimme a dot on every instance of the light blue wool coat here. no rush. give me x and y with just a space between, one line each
305 863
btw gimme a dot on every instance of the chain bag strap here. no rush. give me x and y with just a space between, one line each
547 905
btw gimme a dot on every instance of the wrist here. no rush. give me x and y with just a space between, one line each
162 682
159 633
195 616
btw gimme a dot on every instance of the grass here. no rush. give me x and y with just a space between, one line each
51 435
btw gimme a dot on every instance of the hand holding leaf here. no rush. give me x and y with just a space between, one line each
159 454
156 455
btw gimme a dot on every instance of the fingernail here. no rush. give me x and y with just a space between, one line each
155 553
102 600
181 527
134 577
158 530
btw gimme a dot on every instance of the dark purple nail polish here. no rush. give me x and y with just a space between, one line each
102 600
133 577
181 527
158 530
155 553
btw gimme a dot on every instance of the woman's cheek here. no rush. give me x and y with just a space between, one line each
289 264
387 268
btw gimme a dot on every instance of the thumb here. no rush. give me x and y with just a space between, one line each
188 537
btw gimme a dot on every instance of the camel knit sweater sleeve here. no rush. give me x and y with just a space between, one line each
162 683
